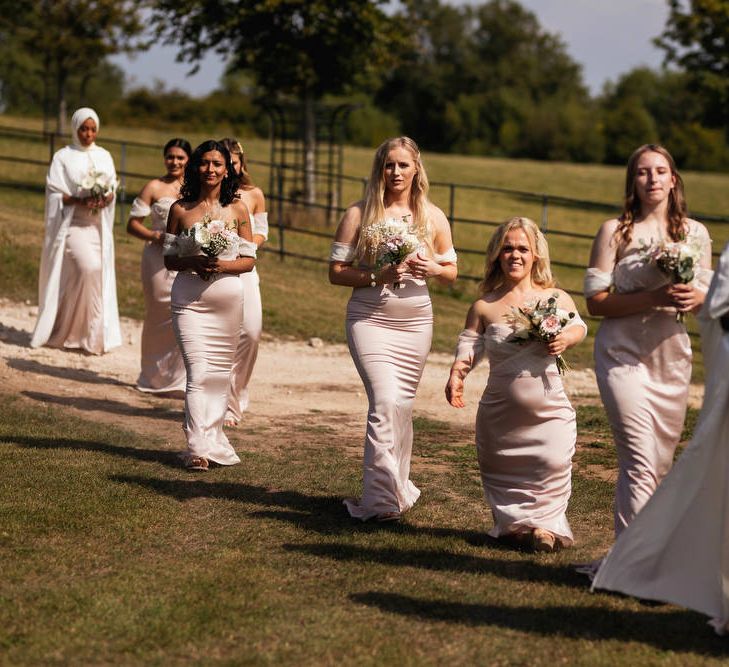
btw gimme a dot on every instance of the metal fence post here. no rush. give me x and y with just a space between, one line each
280 221
122 191
452 206
545 203
364 187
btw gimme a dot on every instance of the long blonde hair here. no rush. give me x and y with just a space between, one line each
632 204
374 199
493 276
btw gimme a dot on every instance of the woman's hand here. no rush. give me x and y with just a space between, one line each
422 267
685 297
454 390
392 273
158 238
203 265
558 344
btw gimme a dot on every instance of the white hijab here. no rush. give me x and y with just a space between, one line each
80 116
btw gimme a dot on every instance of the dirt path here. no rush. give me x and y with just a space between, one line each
290 378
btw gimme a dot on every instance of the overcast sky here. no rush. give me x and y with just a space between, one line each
607 37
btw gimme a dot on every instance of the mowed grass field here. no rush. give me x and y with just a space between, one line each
288 284
112 554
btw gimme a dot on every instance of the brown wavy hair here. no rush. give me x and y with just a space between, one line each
493 276
632 204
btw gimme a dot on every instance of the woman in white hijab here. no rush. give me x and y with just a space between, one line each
77 306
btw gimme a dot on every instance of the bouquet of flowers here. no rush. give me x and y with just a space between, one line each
98 185
392 240
677 259
211 235
539 320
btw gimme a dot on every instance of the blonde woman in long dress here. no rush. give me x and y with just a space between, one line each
250 335
642 351
163 371
675 550
525 425
390 318
77 305
207 298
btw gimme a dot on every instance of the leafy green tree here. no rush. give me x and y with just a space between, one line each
300 48
696 38
479 79
70 37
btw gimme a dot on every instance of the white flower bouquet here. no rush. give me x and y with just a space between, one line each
211 236
539 320
677 259
98 185
392 240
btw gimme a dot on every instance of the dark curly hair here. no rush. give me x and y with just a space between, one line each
190 190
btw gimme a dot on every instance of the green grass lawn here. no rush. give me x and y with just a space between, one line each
112 554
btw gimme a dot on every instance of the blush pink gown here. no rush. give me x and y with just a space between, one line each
206 316
677 547
389 333
163 370
250 335
643 369
525 433
80 317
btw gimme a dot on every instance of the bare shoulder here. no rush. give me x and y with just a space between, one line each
254 199
564 300
152 191
437 217
608 228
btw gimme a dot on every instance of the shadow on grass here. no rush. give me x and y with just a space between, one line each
105 405
446 561
77 374
155 455
679 631
326 511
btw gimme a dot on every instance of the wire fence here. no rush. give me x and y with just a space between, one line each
294 219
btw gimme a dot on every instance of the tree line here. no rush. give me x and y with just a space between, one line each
482 79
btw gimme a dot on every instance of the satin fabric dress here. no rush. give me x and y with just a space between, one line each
77 284
643 369
247 352
677 547
163 371
206 316
389 331
525 433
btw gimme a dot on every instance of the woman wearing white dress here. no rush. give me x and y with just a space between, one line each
677 547
250 335
390 318
163 371
525 425
642 351
207 296
77 305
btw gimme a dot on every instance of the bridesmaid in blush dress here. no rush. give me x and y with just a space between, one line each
642 351
162 369
207 300
250 335
525 425
389 317
675 550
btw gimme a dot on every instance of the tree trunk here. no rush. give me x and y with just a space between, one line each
309 149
